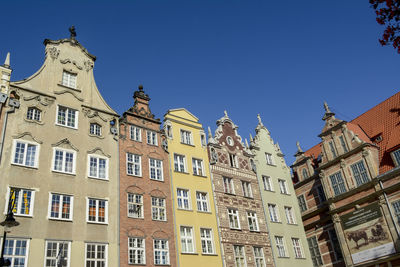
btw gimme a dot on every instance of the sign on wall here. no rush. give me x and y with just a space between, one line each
367 234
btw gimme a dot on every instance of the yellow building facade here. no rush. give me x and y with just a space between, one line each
196 231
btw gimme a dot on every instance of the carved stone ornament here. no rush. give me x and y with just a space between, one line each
92 113
322 174
365 152
69 92
165 145
253 166
336 218
100 150
65 141
29 135
45 101
342 163
67 60
88 65
382 200
53 52
214 156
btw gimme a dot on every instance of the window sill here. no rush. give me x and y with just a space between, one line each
185 209
140 141
248 197
152 144
276 222
97 136
99 223
69 87
187 144
139 218
22 215
286 194
236 229
209 254
154 220
232 194
59 219
189 253
25 166
206 212
272 191
66 126
137 176
183 172
66 173
199 175
34 121
284 257
294 224
156 180
254 231
96 178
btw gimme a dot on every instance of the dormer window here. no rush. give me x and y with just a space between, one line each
305 173
34 114
396 157
343 144
69 79
95 129
332 147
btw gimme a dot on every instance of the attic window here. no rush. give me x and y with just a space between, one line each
378 138
396 157
69 79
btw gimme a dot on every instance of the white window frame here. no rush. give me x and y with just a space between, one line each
270 159
19 203
187 238
97 210
280 247
229 187
135 133
12 257
161 250
34 114
202 201
180 198
96 260
157 211
60 208
158 170
273 212
63 160
75 126
339 187
267 182
290 219
151 137
179 163
241 257
134 164
252 221
139 252
297 248
360 172
259 258
69 79
234 219
135 208
58 242
396 157
95 129
233 161
207 242
246 188
197 165
186 137
24 156
283 187
98 158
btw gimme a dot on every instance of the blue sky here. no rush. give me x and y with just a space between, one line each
281 59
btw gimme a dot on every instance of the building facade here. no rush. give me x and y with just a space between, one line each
60 158
146 217
196 231
284 222
242 226
348 189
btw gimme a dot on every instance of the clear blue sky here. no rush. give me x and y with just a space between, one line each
281 59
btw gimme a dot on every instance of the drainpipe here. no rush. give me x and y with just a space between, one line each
390 210
13 103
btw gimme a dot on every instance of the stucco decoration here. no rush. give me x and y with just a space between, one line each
164 144
88 65
69 92
53 52
135 189
157 193
342 163
135 231
160 234
65 142
92 113
43 100
168 129
27 134
336 218
214 156
154 153
365 152
98 149
67 60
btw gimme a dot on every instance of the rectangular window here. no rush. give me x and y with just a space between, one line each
335 244
360 173
337 183
179 163
57 253
34 114
136 250
343 144
233 161
67 117
233 216
97 210
135 205
228 185
267 183
396 208
280 246
289 215
134 164
333 150
246 187
252 220
240 256
202 201
203 139
95 129
187 242
183 199
98 167
64 160
396 157
26 153
69 79
186 137
273 213
321 194
269 158
156 169
314 251
283 187
259 256
161 252
298 251
16 251
96 255
302 203
136 133
197 167
207 243
158 209
23 201
305 173
61 206
151 138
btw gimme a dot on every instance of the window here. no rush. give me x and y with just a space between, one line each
360 173
69 79
228 185
269 158
267 183
98 167
337 183
246 187
280 246
335 244
302 203
135 205
96 255
314 251
332 147
161 252
151 138
186 137
158 209
203 139
179 163
24 199
298 251
97 210
321 194
233 161
134 164
34 114
16 250
259 256
197 167
156 169
57 253
273 213
305 173
95 129
187 242
64 160
240 256
136 250
207 243
202 201
252 220
343 143
136 133
396 208
26 153
233 219
183 199
396 157
67 117
283 187
61 206
289 215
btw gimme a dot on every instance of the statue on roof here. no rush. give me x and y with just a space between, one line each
72 32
